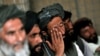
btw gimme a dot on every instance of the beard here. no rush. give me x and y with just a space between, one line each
70 33
33 51
68 41
92 39
8 50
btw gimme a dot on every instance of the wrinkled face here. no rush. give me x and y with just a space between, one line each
68 25
56 22
34 38
13 33
88 33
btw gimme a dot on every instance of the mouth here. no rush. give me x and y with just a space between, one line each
18 47
37 48
18 44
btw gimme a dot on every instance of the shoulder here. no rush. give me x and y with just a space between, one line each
1 54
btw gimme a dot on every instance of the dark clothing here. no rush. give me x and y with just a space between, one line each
72 51
45 51
80 44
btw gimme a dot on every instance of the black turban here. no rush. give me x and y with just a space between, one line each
31 20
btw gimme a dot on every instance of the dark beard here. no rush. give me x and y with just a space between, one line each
34 53
68 41
71 34
94 40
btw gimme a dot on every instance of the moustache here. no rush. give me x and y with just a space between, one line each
70 31
20 43
40 44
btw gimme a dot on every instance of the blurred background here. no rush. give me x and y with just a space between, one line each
79 8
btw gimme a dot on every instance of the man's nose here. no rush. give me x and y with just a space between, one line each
19 37
39 39
92 31
70 25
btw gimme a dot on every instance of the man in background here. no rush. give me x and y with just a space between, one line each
84 29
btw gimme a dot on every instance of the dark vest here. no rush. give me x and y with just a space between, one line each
72 51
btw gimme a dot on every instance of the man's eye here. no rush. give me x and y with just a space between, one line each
33 35
22 28
10 33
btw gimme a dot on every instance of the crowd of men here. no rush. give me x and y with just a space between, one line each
49 32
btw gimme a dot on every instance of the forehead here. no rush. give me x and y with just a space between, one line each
87 28
35 29
12 23
54 21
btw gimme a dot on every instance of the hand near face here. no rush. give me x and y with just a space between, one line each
57 44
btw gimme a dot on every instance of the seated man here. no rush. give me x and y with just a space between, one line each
33 34
74 37
12 34
36 44
84 28
51 22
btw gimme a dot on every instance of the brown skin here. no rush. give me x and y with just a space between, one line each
88 31
68 25
56 29
13 33
34 37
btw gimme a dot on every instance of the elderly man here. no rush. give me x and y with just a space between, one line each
12 34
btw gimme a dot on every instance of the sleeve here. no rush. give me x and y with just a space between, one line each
93 46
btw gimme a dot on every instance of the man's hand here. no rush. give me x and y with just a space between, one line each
57 42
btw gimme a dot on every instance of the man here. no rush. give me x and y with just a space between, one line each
86 31
12 34
36 41
74 37
51 22
68 25
70 32
33 34
68 22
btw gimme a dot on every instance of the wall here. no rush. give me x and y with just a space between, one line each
22 4
79 8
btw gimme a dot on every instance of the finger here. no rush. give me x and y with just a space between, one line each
57 34
60 29
60 36
49 44
53 34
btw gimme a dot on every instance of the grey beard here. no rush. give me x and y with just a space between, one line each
7 50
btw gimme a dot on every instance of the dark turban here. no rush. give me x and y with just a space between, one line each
46 14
